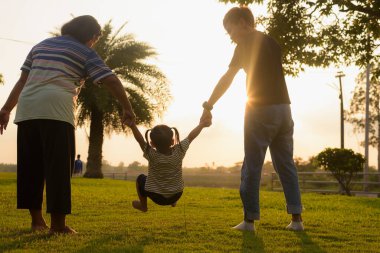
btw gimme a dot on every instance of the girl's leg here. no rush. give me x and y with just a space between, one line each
142 203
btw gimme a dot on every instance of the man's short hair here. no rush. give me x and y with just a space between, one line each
235 14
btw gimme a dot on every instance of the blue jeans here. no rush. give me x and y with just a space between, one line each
268 126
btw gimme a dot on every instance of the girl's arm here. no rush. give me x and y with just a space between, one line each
138 136
197 130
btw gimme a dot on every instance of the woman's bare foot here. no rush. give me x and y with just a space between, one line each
58 224
39 227
38 221
137 205
64 230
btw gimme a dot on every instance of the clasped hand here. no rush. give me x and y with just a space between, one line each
206 118
4 119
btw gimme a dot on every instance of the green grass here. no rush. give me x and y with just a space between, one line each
106 222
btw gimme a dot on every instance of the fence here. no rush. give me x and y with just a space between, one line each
225 180
116 175
324 182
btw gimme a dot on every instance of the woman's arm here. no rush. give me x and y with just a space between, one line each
12 101
115 87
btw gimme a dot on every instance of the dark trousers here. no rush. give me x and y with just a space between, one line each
45 154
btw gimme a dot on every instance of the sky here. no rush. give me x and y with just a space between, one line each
194 52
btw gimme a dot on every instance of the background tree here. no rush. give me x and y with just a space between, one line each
308 165
356 113
1 79
146 85
342 163
322 32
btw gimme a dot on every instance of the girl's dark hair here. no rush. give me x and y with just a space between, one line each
82 28
162 136
235 14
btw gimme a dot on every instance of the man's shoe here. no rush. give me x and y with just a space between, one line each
245 226
295 226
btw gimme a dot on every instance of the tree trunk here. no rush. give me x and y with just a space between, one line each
378 150
378 139
378 135
94 159
347 190
344 185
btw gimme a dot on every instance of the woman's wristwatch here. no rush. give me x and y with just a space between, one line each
207 106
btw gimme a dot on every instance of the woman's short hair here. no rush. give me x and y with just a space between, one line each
235 14
82 28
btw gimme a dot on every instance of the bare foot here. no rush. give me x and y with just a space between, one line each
137 205
38 221
65 230
174 204
39 227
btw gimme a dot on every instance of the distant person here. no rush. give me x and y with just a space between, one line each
268 120
78 166
164 152
46 93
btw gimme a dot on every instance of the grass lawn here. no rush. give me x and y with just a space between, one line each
106 222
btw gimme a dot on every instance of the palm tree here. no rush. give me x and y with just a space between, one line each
146 85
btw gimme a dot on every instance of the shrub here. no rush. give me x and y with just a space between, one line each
343 164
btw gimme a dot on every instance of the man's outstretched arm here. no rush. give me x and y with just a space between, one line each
219 90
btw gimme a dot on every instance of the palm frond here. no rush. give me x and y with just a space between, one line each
146 85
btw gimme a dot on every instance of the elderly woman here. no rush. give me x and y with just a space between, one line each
46 93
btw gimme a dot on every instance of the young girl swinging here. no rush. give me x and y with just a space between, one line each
164 152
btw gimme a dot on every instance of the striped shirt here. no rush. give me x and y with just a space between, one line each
57 69
165 171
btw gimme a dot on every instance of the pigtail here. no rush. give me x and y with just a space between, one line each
147 140
177 137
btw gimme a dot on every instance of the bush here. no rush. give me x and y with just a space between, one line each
343 164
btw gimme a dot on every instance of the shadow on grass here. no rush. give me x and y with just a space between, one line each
110 243
19 239
308 246
7 181
368 202
252 243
